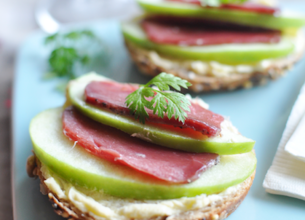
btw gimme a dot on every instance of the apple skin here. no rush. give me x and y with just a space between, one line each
232 54
160 136
79 167
278 22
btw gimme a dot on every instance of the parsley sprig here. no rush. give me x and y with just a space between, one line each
74 53
163 100
216 3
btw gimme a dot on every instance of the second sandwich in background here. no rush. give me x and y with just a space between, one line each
215 48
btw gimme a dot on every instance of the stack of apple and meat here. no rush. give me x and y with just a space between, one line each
215 48
96 144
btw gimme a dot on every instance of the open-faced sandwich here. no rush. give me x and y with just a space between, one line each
215 47
127 151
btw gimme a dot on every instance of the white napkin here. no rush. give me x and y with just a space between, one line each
286 176
296 144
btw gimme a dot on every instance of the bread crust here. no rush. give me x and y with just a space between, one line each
204 83
67 210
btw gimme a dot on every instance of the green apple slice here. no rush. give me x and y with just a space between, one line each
74 164
279 22
225 53
229 143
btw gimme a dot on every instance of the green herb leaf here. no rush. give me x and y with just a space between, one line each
163 101
51 38
136 101
85 60
62 59
73 53
74 35
163 81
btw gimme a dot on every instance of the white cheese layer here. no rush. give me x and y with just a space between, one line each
101 206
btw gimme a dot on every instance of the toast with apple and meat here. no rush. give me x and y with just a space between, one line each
223 47
113 152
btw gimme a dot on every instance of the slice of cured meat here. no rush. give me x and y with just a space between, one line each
205 23
111 95
113 145
247 6
178 34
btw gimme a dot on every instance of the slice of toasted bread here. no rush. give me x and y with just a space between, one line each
215 210
206 82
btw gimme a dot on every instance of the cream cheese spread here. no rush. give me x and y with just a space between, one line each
101 206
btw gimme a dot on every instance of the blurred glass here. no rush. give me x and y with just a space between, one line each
50 14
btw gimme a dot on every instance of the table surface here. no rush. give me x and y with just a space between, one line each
17 21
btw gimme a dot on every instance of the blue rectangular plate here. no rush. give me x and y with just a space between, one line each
259 113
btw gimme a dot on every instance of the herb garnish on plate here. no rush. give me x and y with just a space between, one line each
73 53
